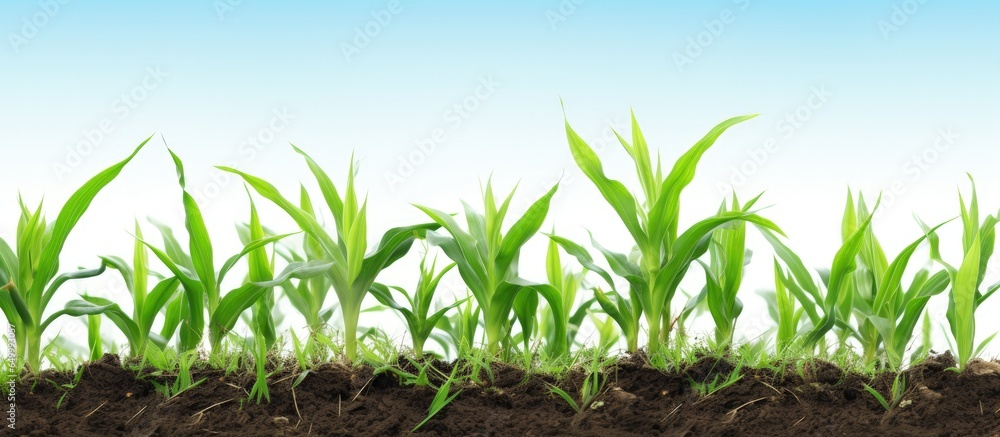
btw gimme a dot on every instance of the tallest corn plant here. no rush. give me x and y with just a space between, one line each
28 272
664 254
353 272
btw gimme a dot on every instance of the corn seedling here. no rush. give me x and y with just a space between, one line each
352 272
308 296
183 380
261 271
717 383
487 260
898 389
461 328
787 315
28 274
201 282
626 312
568 283
607 335
147 305
664 254
978 243
829 310
886 313
593 384
442 398
419 321
724 275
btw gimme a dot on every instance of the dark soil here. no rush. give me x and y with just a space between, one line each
815 399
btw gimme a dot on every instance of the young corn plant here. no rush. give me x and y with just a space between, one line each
887 313
568 283
784 311
147 304
308 296
825 311
487 260
664 254
461 328
607 335
593 385
442 398
28 272
978 243
625 312
898 389
717 383
419 320
724 275
261 271
352 272
201 282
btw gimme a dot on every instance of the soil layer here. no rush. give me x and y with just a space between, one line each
815 399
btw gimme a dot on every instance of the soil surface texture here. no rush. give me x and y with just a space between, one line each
812 399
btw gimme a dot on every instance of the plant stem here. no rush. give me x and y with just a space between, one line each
351 313
34 351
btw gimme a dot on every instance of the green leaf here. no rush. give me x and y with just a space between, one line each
72 211
200 243
522 230
235 302
963 296
614 192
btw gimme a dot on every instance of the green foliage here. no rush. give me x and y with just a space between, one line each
567 282
487 260
442 398
832 309
593 384
664 253
352 272
724 274
864 299
898 390
420 323
147 305
887 313
718 382
28 272
978 243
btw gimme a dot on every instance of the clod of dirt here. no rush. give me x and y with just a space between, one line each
927 394
980 368
622 397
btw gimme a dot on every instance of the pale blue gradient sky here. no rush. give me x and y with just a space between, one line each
225 72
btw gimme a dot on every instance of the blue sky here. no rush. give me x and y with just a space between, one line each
893 96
